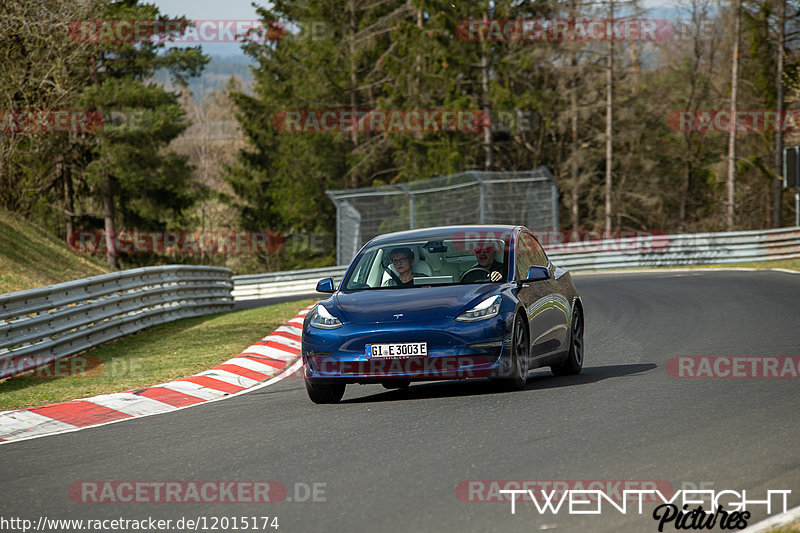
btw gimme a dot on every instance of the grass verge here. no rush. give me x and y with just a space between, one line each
30 257
158 354
790 264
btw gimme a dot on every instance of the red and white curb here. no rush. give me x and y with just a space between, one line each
269 360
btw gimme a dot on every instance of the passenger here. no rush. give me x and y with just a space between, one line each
403 261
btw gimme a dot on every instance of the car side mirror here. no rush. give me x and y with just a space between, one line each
325 285
537 273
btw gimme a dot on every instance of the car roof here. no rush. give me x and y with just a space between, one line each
441 232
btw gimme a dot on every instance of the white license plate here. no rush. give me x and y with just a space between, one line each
402 349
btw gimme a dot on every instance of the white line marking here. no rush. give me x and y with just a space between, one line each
229 377
288 329
274 353
775 521
193 389
252 364
283 340
14 423
131 404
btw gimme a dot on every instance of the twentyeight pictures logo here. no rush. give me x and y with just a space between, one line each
681 509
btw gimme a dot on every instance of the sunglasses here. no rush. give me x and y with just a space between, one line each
484 251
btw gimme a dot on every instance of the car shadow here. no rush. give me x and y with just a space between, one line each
540 379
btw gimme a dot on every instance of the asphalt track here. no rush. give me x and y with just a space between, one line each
391 462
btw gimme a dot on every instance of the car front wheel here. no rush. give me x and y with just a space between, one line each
325 393
519 364
390 384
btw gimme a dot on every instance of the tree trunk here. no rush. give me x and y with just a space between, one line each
777 186
693 101
573 104
108 215
573 108
415 90
351 5
66 172
488 162
108 195
732 134
609 117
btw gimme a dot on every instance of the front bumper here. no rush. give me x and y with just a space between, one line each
456 350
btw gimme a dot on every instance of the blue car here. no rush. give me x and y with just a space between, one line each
443 303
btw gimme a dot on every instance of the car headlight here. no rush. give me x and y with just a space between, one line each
323 319
488 308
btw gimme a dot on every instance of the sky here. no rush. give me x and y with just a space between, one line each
243 10
212 10
208 9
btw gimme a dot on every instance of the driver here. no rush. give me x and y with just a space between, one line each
485 257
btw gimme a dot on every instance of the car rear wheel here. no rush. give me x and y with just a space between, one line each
574 362
327 393
518 373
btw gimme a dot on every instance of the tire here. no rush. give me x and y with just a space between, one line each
574 362
519 364
329 393
403 384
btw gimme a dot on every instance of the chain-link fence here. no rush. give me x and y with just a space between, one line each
529 198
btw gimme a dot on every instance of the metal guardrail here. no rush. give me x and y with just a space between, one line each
680 250
288 283
40 325
631 252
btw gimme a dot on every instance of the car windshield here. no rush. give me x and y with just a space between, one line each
429 262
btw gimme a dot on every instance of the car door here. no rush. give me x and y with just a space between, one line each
548 316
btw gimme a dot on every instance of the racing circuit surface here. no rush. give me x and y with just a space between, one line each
386 461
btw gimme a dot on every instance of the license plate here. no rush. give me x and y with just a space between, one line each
402 349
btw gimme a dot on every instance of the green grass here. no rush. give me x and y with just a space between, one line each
155 355
791 264
30 257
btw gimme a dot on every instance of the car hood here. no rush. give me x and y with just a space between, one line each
417 304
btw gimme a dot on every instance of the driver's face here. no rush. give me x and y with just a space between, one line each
485 257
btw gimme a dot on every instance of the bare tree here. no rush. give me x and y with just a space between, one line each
732 134
609 119
487 133
777 186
